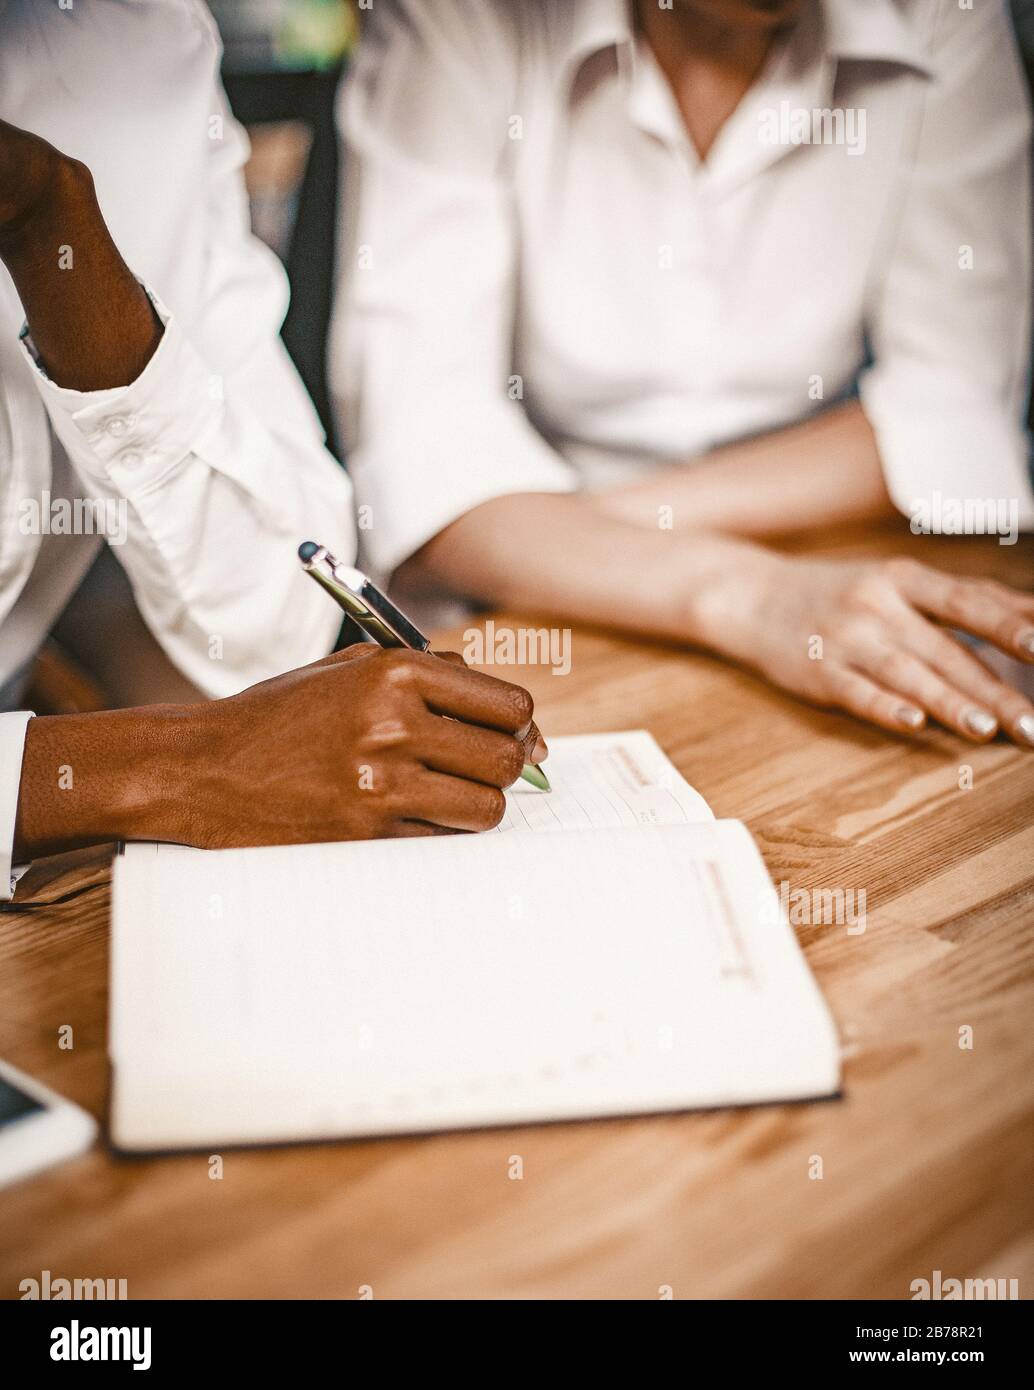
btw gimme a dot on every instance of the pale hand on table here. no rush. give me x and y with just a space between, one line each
870 638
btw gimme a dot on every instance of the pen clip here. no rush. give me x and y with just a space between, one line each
392 618
362 600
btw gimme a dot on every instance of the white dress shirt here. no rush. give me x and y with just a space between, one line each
214 454
543 286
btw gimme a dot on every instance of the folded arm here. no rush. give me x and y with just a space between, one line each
92 323
189 419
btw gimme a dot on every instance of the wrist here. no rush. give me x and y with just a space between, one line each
719 590
154 790
111 775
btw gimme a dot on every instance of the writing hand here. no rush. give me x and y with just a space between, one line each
363 744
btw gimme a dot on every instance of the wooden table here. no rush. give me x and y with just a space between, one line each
926 1159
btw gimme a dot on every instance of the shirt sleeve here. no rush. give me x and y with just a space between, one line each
949 326
12 748
215 459
422 338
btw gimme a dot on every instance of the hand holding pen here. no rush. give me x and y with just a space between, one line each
387 625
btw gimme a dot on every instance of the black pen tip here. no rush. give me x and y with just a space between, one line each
307 550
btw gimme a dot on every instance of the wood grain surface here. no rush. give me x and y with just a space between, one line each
926 1159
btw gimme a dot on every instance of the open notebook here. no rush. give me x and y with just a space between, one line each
610 949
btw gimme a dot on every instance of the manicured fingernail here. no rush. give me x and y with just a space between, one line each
1025 642
979 722
911 717
540 752
1025 728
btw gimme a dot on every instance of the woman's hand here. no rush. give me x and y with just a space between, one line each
870 638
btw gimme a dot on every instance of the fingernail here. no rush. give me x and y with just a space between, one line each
1025 728
540 752
911 718
1025 642
979 722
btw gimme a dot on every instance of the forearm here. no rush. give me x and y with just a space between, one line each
823 472
91 322
114 775
558 555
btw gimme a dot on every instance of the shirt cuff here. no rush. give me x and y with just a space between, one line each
952 469
12 750
134 434
412 482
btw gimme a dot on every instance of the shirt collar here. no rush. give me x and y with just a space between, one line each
872 30
876 30
590 26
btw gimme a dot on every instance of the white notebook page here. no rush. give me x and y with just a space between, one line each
385 986
605 780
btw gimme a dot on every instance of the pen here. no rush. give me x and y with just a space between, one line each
377 615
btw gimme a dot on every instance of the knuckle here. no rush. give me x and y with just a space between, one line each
523 705
1001 593
895 668
353 650
869 592
1010 628
853 694
950 706
377 779
387 730
1011 706
897 570
494 807
944 699
512 762
959 599
867 702
976 678
832 687
374 780
855 632
396 670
